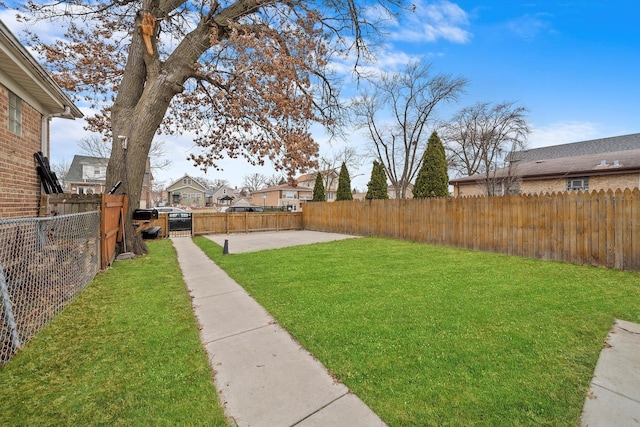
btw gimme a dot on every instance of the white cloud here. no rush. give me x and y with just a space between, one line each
529 27
8 17
563 133
433 21
47 31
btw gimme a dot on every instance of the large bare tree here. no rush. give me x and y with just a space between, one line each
245 77
479 137
398 114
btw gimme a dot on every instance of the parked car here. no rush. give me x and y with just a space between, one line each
179 220
170 209
245 209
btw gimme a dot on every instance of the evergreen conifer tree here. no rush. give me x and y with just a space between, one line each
344 184
432 180
377 186
318 189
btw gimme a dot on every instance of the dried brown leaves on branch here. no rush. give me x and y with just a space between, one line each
245 78
256 80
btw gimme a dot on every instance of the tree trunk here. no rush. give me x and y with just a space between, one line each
147 88
133 131
143 99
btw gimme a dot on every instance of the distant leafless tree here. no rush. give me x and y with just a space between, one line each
479 137
96 146
254 182
330 165
61 169
398 113
276 179
157 190
211 184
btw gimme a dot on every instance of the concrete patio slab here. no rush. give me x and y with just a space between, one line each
259 241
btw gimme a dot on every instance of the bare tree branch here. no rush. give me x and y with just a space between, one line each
396 113
479 137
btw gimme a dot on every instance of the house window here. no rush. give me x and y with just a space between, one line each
578 183
15 113
186 181
503 188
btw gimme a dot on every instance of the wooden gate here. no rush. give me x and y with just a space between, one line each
111 226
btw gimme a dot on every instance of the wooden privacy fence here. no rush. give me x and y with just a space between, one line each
597 228
244 222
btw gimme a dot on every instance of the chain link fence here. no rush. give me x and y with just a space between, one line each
44 264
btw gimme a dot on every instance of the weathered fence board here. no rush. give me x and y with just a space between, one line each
597 228
113 209
245 222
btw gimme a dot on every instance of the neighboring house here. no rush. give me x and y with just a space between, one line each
186 192
391 191
242 202
221 196
291 198
329 180
600 164
29 99
88 175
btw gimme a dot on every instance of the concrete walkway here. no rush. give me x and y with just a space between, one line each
263 377
614 395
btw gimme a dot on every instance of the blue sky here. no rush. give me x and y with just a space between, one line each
572 64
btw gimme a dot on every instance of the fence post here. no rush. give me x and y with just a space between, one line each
6 307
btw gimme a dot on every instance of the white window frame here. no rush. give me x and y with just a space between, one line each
15 114
579 183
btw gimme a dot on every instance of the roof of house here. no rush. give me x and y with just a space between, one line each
312 176
75 170
615 155
194 184
283 187
21 67
213 191
582 148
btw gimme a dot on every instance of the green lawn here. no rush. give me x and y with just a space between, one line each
125 352
431 335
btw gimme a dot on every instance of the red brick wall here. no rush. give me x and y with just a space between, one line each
19 181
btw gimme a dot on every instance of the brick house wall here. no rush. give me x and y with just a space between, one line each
19 181
558 185
596 183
